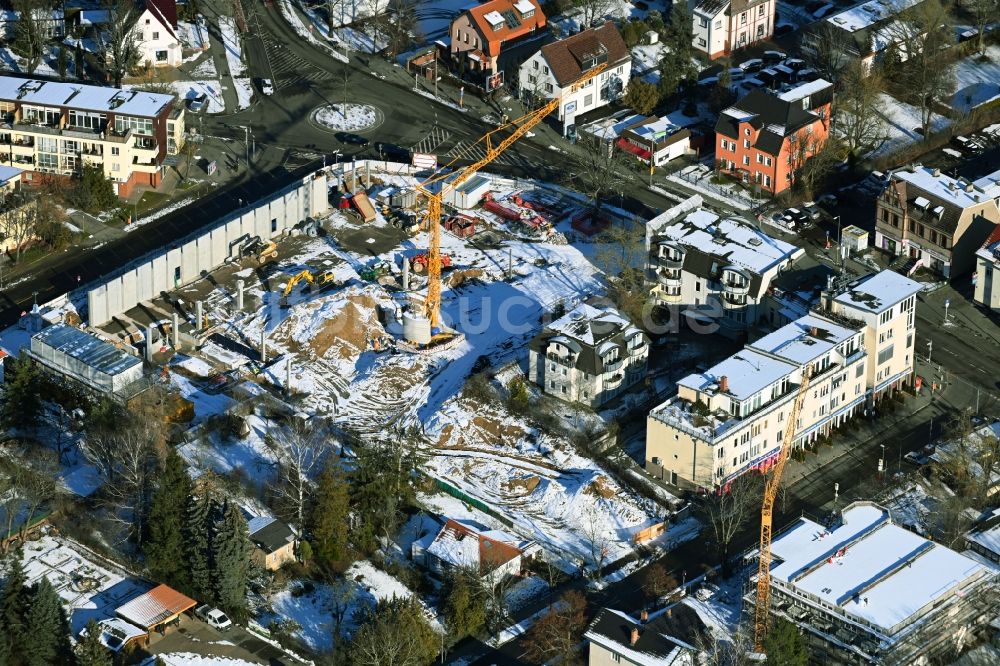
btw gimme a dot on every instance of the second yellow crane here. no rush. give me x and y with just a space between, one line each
445 180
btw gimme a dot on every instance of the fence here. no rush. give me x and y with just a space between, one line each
723 192
472 501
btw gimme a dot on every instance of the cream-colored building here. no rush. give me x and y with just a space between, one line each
987 279
732 417
53 129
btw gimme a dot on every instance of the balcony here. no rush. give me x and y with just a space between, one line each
638 349
731 301
668 261
614 366
669 278
26 148
35 128
734 287
614 381
666 297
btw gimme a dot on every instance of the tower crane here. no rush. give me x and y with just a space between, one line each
763 605
447 181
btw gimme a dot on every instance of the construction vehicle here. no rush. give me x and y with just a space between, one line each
763 603
263 252
419 262
448 180
323 279
374 272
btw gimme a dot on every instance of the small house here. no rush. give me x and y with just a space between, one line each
273 541
157 609
117 635
493 553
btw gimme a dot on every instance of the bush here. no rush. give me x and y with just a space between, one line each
518 400
642 96
478 387
94 193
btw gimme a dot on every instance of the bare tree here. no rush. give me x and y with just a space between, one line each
555 637
983 12
125 459
592 10
922 36
118 42
600 170
811 160
23 491
29 37
657 581
860 121
19 220
728 511
829 50
402 29
595 531
736 649
301 451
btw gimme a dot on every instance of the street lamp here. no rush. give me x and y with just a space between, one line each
881 462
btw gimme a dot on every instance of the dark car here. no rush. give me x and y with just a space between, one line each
197 103
355 139
796 216
391 151
774 57
783 29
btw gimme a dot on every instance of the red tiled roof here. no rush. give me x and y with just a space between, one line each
994 237
159 605
493 38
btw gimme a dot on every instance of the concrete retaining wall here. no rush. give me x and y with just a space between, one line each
269 217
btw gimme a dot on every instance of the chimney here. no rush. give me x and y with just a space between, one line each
936 172
968 187
813 332
724 384
644 616
670 612
634 638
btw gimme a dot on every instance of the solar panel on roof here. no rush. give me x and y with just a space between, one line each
512 20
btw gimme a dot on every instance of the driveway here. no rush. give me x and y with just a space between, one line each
196 637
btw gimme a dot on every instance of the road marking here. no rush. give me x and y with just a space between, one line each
432 141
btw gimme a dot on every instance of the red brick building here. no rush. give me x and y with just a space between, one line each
766 137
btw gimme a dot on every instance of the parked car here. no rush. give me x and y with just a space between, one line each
267 86
752 65
796 216
355 139
774 57
214 617
198 102
829 200
813 211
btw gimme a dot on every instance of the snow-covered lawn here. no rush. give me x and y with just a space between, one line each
291 14
977 80
646 57
357 117
572 21
231 42
244 91
193 35
361 588
205 69
211 89
434 16
903 120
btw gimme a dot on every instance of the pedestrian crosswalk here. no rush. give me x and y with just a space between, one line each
471 151
434 139
289 69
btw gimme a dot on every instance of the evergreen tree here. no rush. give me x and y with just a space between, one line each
327 522
48 628
89 651
195 532
14 604
676 66
78 61
230 558
22 396
394 632
784 645
166 523
464 603
62 61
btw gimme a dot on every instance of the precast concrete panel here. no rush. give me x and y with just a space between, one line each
115 295
175 276
128 288
160 282
220 248
97 304
144 282
189 262
204 252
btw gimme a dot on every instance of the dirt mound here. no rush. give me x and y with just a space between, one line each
349 331
600 488
496 432
459 277
527 484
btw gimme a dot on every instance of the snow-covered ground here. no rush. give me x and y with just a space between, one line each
646 57
357 117
434 16
206 69
211 89
291 14
244 91
903 120
192 659
193 35
231 42
977 80
314 610
572 20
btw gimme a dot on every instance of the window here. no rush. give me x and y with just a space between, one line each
760 159
274 225
548 87
532 78
885 355
141 125
746 143
161 56
703 22
743 18
702 42
760 11
545 69
588 100
156 35
534 64
86 120
718 25
116 167
115 151
760 30
767 181
767 161
746 160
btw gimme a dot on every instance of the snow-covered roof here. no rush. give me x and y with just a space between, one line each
657 130
524 6
747 372
83 97
463 544
494 18
954 191
734 240
9 173
116 633
589 325
804 90
869 568
869 13
804 340
988 537
990 251
160 604
878 292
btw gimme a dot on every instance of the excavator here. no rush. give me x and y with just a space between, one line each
323 279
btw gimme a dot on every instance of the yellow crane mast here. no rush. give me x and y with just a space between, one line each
448 181
763 606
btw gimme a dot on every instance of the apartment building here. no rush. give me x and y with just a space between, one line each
590 355
53 129
553 70
480 32
987 276
864 590
766 137
731 418
937 221
720 27
866 31
714 271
